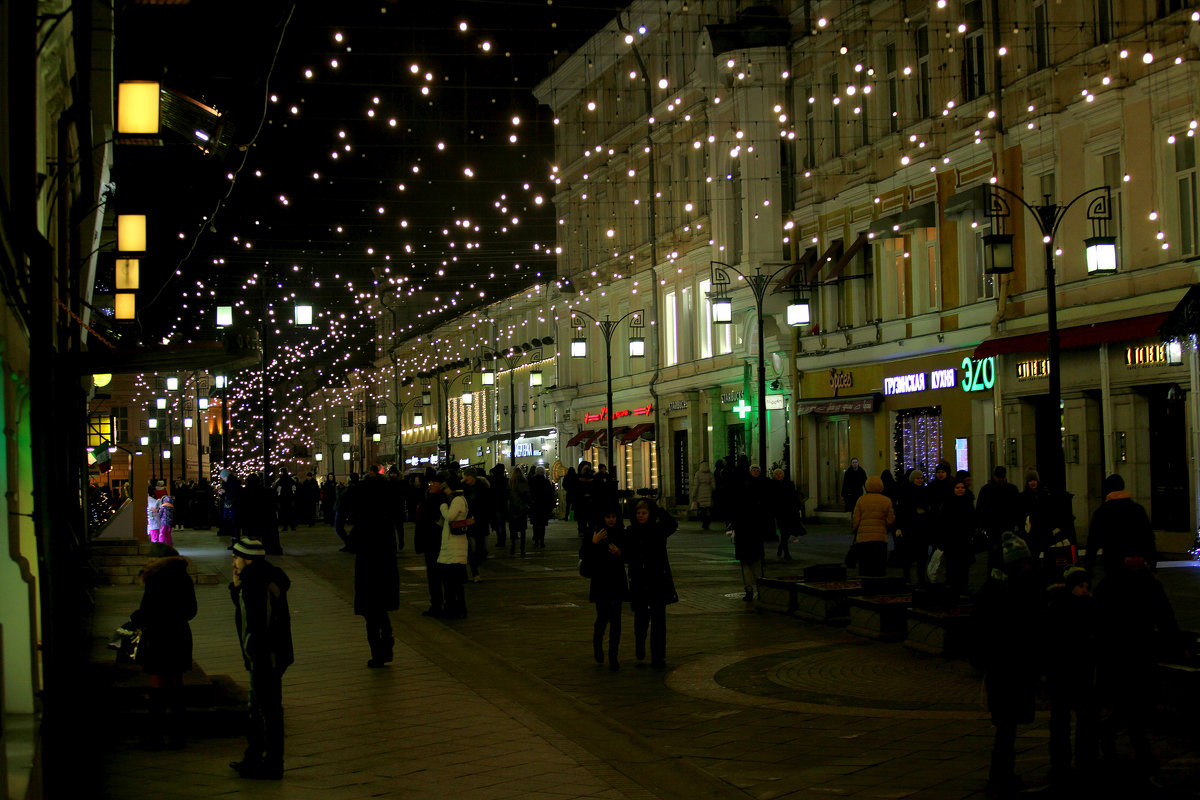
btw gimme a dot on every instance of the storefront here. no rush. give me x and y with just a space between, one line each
1123 410
634 450
534 447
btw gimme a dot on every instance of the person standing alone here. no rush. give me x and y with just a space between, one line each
369 506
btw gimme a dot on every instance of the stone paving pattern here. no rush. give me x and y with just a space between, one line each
509 703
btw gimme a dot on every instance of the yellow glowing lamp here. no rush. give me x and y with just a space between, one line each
131 233
127 274
124 305
102 380
137 107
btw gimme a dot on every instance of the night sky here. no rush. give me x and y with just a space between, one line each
388 142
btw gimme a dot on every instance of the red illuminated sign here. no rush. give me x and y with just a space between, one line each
603 415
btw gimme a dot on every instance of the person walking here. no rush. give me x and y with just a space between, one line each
1119 523
1072 635
754 522
568 485
785 500
542 499
955 536
603 558
370 509
264 628
1006 622
703 487
165 649
478 493
328 498
339 514
256 510
873 514
498 507
853 481
519 500
427 540
585 501
914 527
651 585
398 493
452 557
285 495
310 498
229 497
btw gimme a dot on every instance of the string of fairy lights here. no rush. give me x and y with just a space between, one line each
855 80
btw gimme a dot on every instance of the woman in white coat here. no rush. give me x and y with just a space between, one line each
452 558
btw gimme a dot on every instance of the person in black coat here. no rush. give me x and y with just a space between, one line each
1118 524
999 510
542 501
165 649
328 498
1072 635
568 485
369 508
603 557
785 501
256 510
956 537
427 540
915 522
651 586
498 506
853 482
754 523
478 492
586 498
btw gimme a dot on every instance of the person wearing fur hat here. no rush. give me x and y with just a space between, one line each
264 628
165 649
1006 622
1119 522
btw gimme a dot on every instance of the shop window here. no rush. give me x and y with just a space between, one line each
917 439
704 330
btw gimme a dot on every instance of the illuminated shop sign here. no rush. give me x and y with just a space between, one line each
603 413
1149 355
978 373
524 449
1032 370
943 378
732 397
677 405
903 384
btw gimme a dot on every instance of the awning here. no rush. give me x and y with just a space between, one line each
830 256
1121 330
806 266
602 439
527 434
583 439
858 404
847 257
637 430
1184 319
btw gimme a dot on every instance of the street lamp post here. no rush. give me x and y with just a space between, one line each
512 358
637 349
722 304
1101 258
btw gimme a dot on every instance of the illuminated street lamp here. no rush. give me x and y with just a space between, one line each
637 349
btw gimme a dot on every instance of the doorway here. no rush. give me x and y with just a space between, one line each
833 457
1168 461
680 461
736 440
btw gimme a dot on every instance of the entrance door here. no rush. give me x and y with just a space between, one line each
1168 464
833 457
736 434
682 477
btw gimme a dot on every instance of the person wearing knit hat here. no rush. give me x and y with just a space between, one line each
264 629
1077 578
1013 549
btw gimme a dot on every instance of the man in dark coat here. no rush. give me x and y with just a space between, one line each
370 509
339 514
256 510
852 484
427 540
264 627
478 493
1119 523
399 490
998 511
498 507
310 497
285 492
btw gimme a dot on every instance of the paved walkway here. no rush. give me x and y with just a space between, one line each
508 702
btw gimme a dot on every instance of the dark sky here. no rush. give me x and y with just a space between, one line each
331 226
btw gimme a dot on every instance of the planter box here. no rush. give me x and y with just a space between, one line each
942 632
777 594
827 601
880 616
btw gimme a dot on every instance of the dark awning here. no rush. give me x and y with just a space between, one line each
806 266
602 439
1184 319
637 430
1121 330
583 439
847 257
858 404
526 434
830 256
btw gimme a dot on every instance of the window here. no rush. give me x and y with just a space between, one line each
670 330
810 130
1185 186
706 324
893 88
926 240
975 73
1166 7
924 73
1104 21
898 265
120 423
1041 35
1114 179
734 256
837 114
686 321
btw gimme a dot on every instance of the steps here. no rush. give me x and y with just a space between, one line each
118 562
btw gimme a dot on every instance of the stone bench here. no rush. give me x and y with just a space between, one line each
826 601
778 594
942 631
881 617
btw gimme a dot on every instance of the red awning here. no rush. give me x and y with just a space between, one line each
579 437
602 439
637 430
1120 330
846 258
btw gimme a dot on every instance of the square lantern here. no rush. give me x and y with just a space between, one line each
220 381
176 439
722 310
487 376
304 314
579 347
202 403
997 253
382 419
131 233
799 313
224 316
467 397
172 384
346 456
1101 254
187 423
152 422
418 418
637 347
345 438
167 454
143 440
137 107
376 437
319 457
1174 353
535 377
127 274
426 397
160 402
124 305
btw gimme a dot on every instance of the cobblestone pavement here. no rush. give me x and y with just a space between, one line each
509 703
